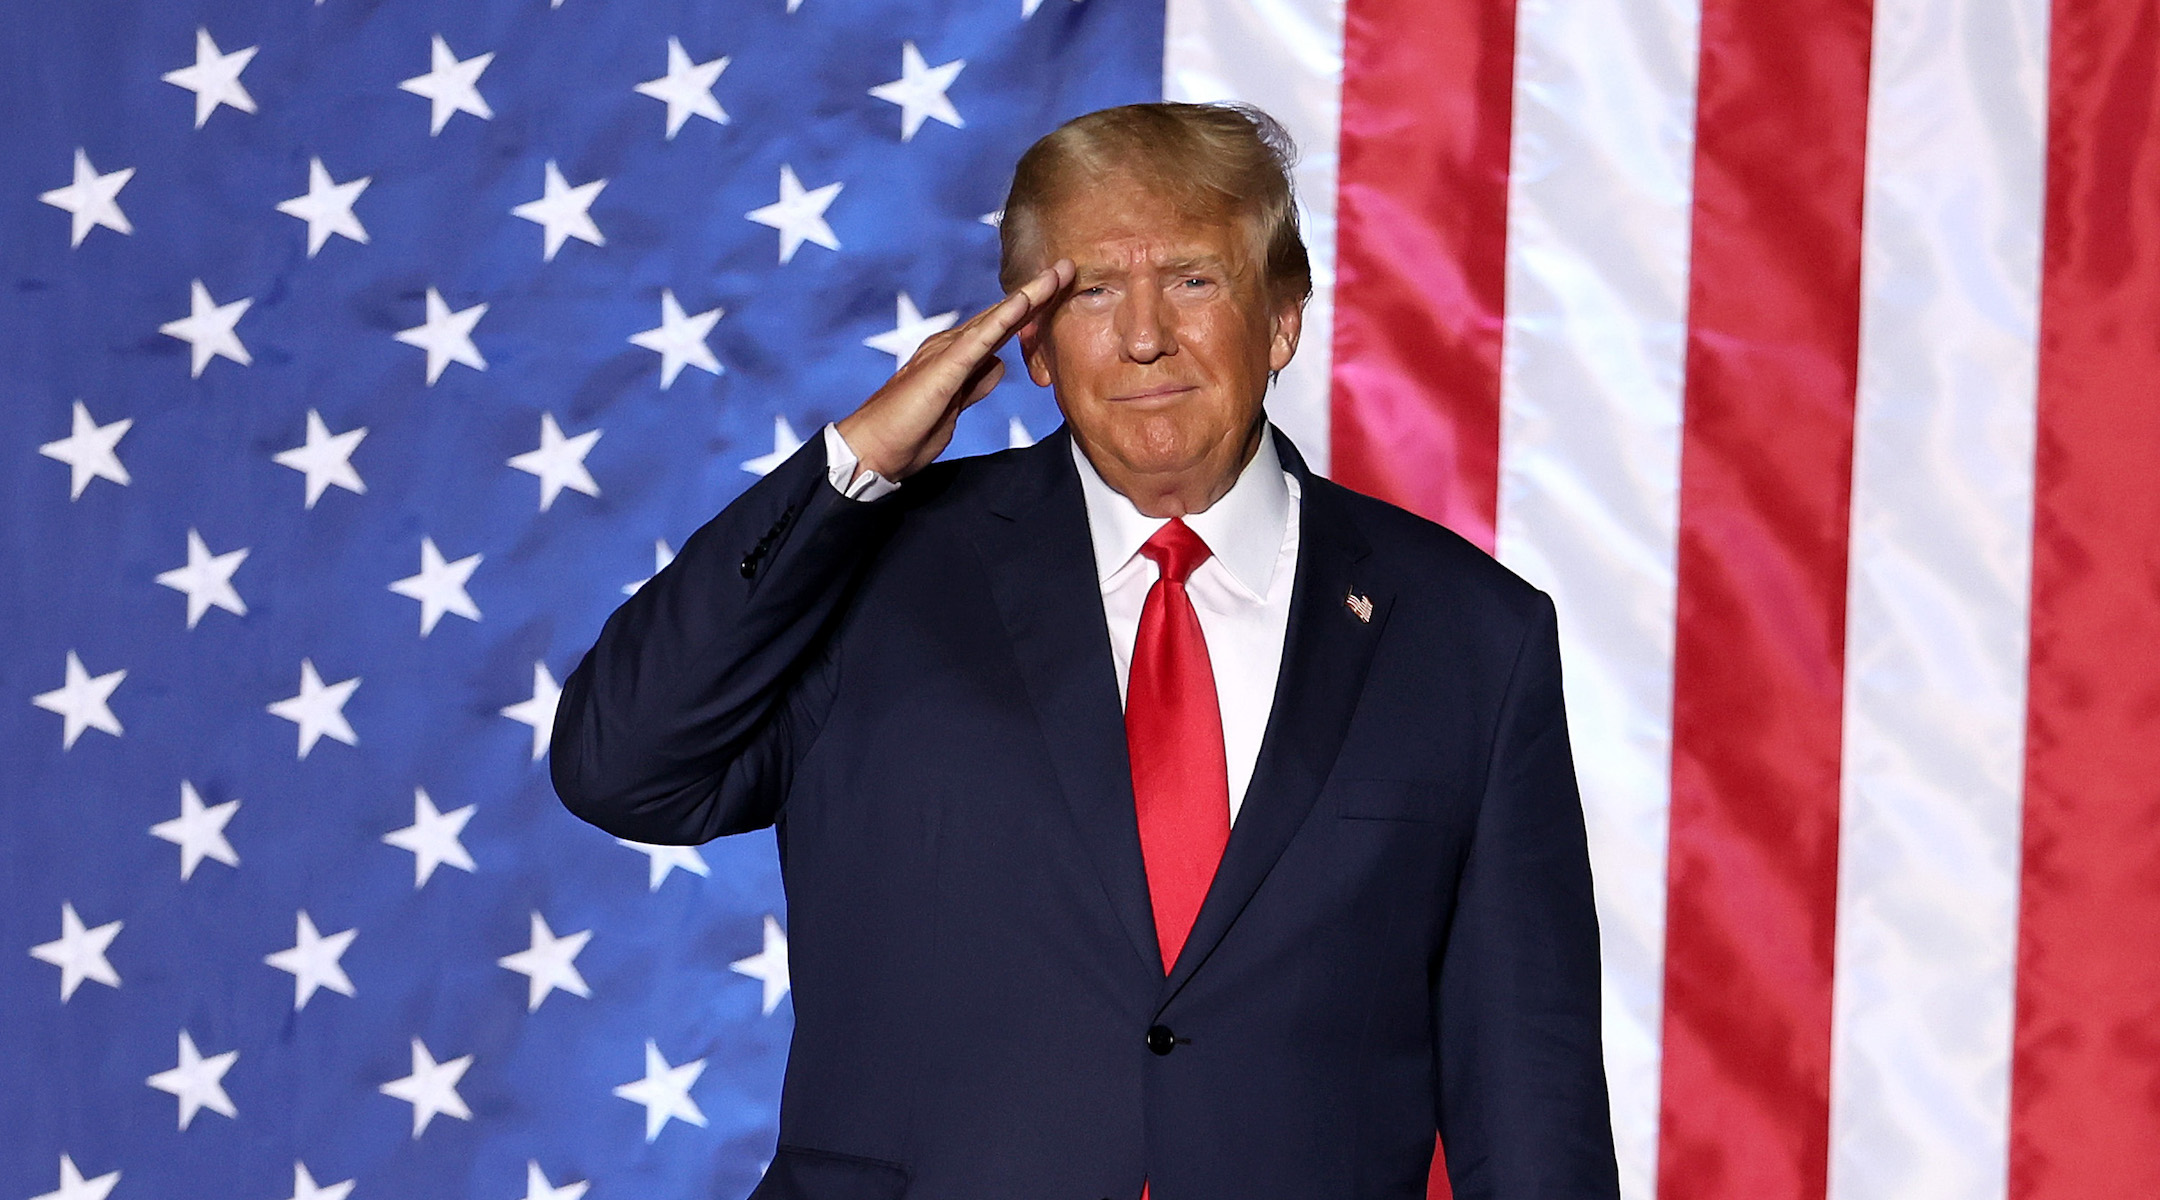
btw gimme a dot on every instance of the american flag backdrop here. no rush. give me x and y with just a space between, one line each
356 357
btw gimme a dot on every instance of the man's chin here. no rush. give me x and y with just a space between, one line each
1150 468
1150 457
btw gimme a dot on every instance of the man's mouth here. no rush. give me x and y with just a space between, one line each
1161 392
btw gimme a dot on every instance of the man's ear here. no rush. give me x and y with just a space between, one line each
1034 352
1289 322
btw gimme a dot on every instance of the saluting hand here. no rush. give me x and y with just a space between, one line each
906 424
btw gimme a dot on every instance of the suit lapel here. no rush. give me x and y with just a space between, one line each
1326 651
1041 564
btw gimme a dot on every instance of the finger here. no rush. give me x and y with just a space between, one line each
1045 287
929 350
990 328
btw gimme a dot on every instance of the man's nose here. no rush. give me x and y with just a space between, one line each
1147 326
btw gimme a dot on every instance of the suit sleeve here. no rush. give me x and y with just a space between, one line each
685 719
1522 1101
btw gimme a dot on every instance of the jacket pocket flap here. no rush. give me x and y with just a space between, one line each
801 1173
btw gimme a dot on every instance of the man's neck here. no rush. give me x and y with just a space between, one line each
1245 528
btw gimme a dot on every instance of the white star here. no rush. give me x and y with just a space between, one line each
74 1187
304 1188
562 212
446 336
536 1184
559 462
451 86
80 953
433 838
666 859
662 555
208 329
799 215
550 963
89 451
686 89
439 587
680 339
327 207
325 458
92 199
81 702
993 219
431 1088
215 78
1017 436
319 711
784 446
1028 7
769 965
207 579
665 1092
312 961
539 711
910 329
197 1081
199 831
920 91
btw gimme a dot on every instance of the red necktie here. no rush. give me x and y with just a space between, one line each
1173 730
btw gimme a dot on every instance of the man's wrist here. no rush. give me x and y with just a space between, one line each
849 475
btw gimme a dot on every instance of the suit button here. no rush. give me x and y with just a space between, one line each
1160 1039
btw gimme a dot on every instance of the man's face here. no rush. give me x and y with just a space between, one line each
1160 352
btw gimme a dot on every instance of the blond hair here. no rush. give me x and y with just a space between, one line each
1211 161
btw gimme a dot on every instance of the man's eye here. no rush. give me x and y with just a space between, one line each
1097 290
1194 281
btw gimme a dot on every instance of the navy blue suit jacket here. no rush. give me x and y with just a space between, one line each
919 693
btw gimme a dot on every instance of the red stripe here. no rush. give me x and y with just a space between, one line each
1421 255
1758 671
2085 1090
1421 264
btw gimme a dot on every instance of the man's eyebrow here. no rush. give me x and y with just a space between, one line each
1174 266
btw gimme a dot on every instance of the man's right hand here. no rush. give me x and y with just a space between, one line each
906 424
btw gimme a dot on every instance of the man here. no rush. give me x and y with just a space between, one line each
1156 816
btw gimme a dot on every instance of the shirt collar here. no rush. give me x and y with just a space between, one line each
1244 529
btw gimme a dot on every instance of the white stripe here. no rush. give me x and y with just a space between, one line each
1936 625
1286 57
1600 195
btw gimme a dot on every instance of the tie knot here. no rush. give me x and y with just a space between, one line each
1176 550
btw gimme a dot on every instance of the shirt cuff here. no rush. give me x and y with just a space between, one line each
841 464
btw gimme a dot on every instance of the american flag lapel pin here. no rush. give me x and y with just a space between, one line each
1359 606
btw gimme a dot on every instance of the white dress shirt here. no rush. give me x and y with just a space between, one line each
841 463
1241 593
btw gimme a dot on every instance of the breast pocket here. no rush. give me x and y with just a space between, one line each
1390 799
